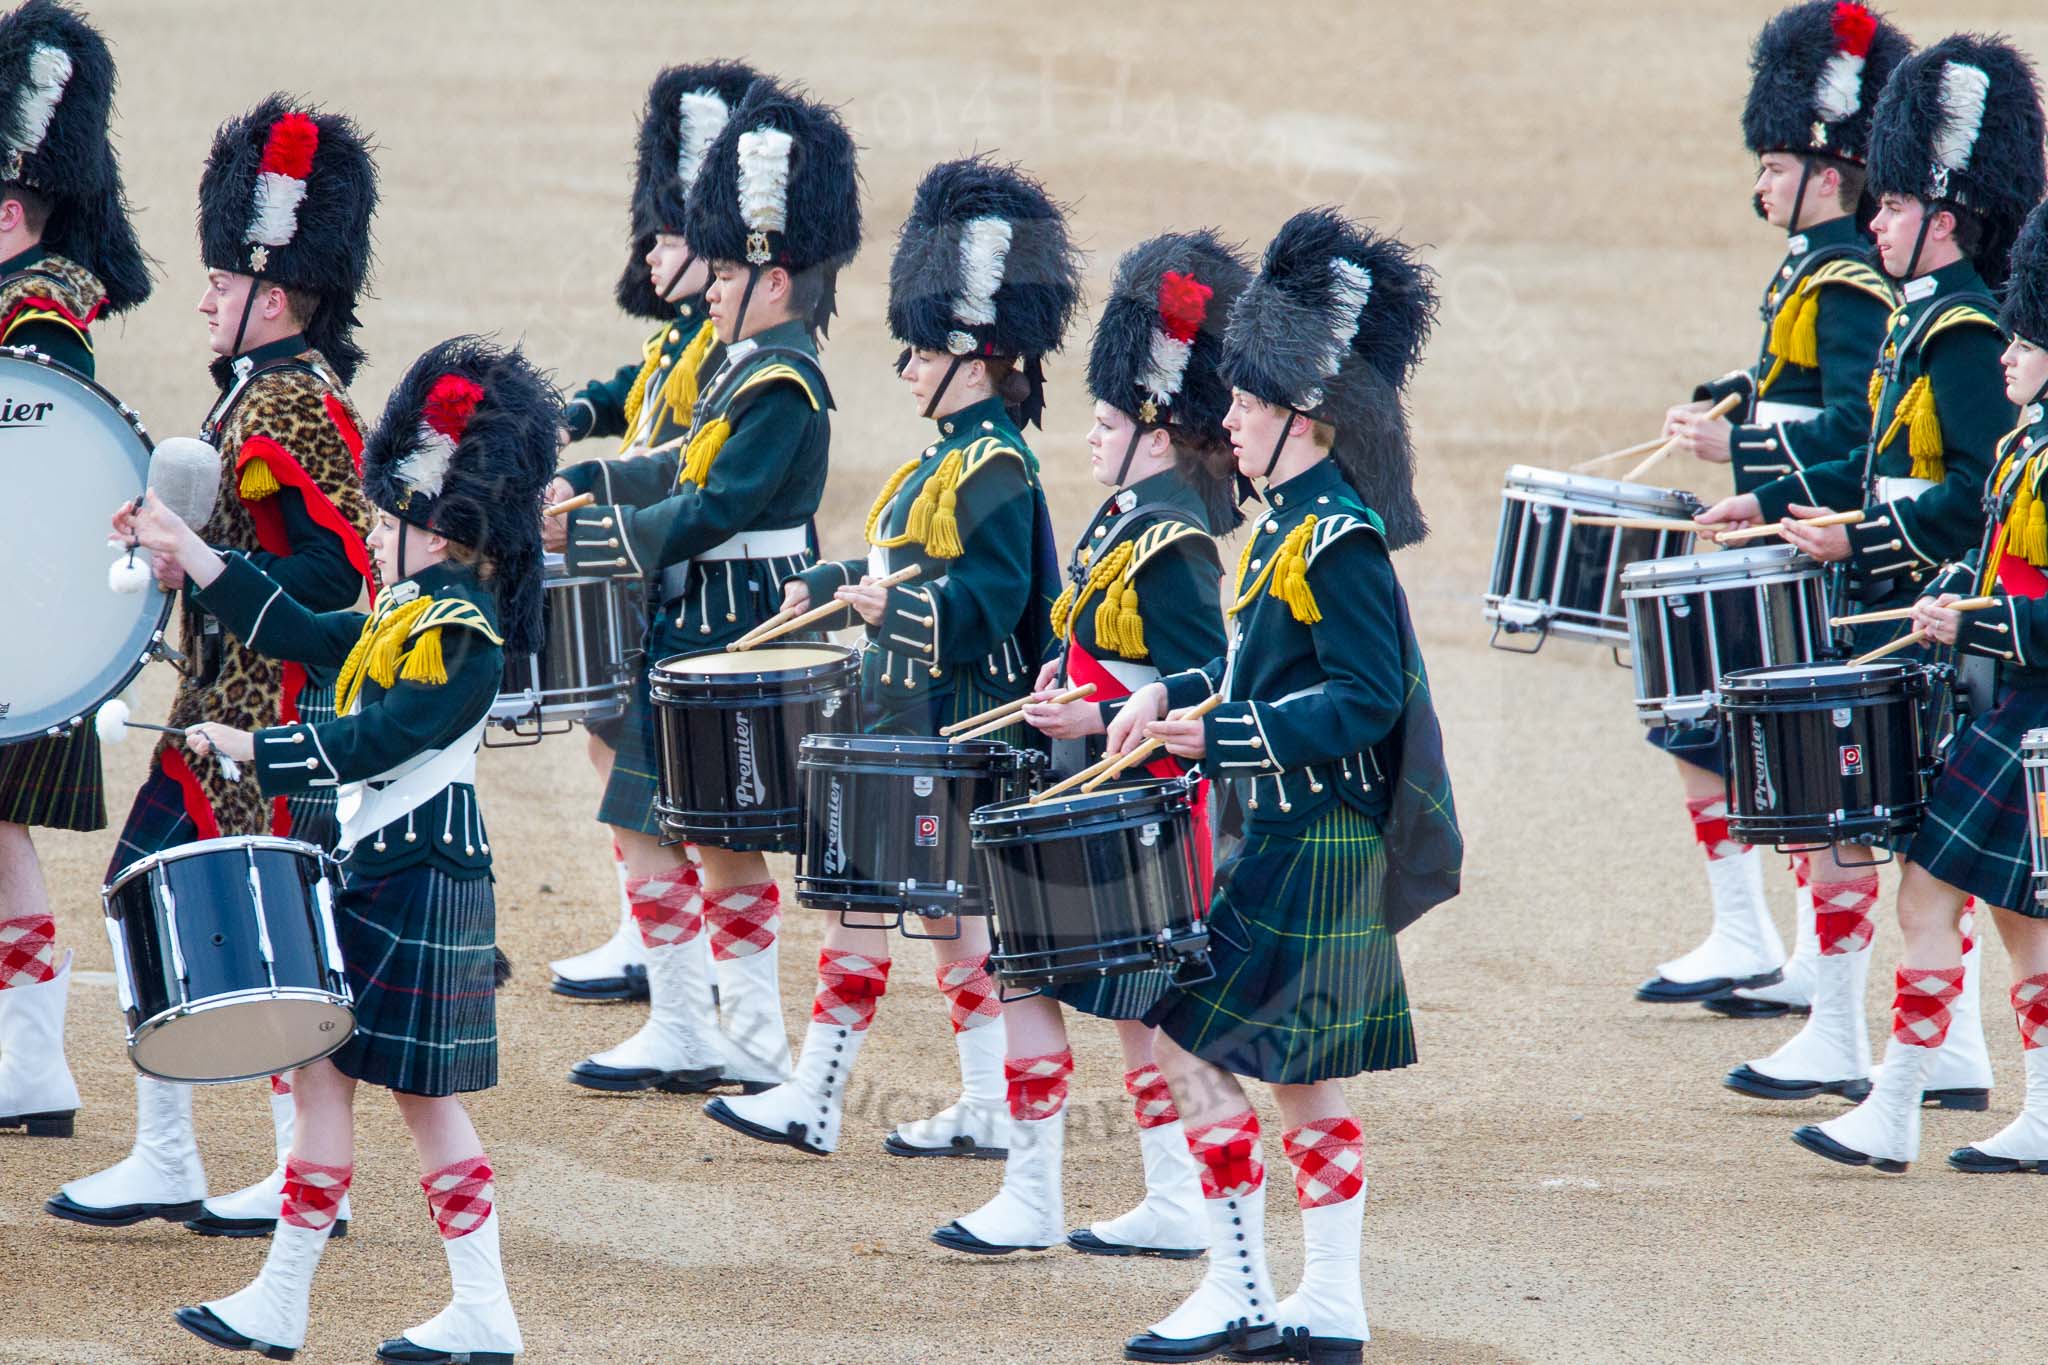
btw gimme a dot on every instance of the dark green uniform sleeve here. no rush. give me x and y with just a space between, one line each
267 618
1358 650
638 482
599 407
1741 383
317 571
1850 331
982 598
1179 600
406 721
2015 631
61 343
1195 684
1836 484
1947 520
771 428
822 578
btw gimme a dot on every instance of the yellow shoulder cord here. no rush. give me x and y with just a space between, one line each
1795 333
1285 576
889 490
376 651
636 397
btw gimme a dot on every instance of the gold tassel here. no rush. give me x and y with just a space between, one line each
258 481
934 516
1063 613
703 449
350 680
1876 389
424 663
392 631
889 491
681 391
1133 635
1290 574
1795 336
2034 541
944 541
1923 437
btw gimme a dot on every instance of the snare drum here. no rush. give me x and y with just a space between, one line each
225 959
1552 576
73 451
1696 617
1820 754
728 727
886 821
581 671
2034 757
1095 884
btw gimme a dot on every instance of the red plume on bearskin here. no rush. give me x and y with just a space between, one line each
289 148
1183 305
1854 28
450 403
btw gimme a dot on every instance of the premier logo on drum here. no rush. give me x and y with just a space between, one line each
23 414
750 791
835 830
1852 760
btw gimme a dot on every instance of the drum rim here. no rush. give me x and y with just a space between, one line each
1009 820
879 754
659 672
346 1004
1679 497
1757 681
1657 577
149 862
30 355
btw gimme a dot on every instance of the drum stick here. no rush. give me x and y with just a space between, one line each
1641 523
816 614
1720 409
777 619
1885 651
1901 613
1773 528
1095 774
1625 453
568 505
160 729
988 722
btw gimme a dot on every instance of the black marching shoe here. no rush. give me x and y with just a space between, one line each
604 990
201 1323
56 1123
1296 1343
1747 1080
1659 990
120 1216
403 1349
213 1225
1743 1007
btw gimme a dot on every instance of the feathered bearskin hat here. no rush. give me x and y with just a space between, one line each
1332 328
56 94
1159 344
465 449
287 196
778 187
2024 311
1815 75
984 267
1960 125
687 108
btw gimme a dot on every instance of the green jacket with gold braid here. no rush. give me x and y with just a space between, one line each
417 674
1938 408
2012 564
647 405
969 632
1806 400
733 517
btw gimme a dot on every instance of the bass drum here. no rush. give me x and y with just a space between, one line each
70 453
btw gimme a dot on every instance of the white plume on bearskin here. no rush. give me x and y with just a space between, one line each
984 250
701 117
1963 92
1164 365
764 179
1839 93
425 470
1350 292
49 70
276 218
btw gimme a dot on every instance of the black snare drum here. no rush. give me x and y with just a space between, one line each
886 822
225 959
1098 884
2034 757
1696 617
728 727
581 671
1826 753
1553 576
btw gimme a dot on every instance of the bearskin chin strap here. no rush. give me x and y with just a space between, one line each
746 297
1123 473
1928 209
1274 460
667 290
1799 197
952 368
242 327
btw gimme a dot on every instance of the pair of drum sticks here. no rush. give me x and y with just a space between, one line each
997 717
1093 776
1910 638
789 619
1658 447
1769 528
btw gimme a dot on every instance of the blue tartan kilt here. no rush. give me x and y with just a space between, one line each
1308 983
1130 996
419 946
54 782
1975 835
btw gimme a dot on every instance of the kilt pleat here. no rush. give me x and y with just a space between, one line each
1129 996
629 794
1975 833
419 949
1308 983
54 782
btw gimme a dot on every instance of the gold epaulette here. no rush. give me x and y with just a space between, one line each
387 635
1961 315
934 519
776 373
1157 537
1856 275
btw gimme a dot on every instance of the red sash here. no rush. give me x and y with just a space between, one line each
1084 668
2019 578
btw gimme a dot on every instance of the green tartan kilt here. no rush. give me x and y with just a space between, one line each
636 771
54 782
1307 983
1975 834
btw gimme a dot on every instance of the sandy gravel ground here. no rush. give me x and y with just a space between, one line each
1562 1178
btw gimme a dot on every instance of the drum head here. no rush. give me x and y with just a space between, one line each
765 661
1596 494
238 1038
69 456
1719 567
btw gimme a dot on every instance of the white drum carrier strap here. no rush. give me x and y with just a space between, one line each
365 809
1769 414
789 543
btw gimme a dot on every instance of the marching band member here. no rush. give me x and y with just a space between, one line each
982 286
68 257
284 229
1327 738
1816 72
1974 839
1955 162
774 211
456 469
1142 600
647 405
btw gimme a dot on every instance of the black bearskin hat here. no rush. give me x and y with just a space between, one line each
984 267
465 449
1159 343
779 188
287 196
687 108
2024 312
1332 328
1815 75
1960 125
56 94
